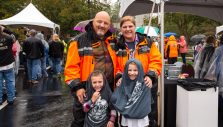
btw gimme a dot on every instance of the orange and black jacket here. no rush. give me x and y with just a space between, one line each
80 63
145 51
172 47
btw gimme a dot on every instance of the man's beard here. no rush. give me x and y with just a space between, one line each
100 34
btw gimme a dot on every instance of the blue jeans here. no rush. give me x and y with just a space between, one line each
34 69
56 65
9 77
43 66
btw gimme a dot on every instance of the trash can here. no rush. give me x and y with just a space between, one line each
197 103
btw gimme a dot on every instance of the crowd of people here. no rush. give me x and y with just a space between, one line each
34 54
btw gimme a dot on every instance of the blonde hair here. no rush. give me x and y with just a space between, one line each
127 18
133 63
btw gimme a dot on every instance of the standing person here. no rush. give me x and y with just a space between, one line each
56 49
89 51
202 64
135 45
34 51
43 59
183 48
132 98
171 50
99 111
6 66
215 72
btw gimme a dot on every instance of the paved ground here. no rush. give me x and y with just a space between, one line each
47 104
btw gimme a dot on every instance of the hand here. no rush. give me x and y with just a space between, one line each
110 124
80 95
95 96
148 82
119 82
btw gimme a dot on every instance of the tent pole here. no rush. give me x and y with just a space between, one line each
150 18
163 62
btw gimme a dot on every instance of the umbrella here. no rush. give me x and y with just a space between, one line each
81 26
169 34
153 31
198 38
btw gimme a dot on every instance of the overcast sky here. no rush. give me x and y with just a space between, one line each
113 1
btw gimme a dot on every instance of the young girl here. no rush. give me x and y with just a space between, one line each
99 113
133 98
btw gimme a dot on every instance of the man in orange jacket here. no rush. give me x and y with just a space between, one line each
172 50
89 51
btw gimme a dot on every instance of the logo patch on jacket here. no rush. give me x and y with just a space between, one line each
143 49
121 52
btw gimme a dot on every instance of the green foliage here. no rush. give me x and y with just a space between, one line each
66 13
189 25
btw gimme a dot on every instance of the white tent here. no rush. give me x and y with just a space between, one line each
30 16
219 29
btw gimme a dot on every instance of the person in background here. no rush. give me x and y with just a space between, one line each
17 48
202 63
56 49
183 48
34 51
132 98
99 111
137 46
171 50
89 51
215 72
43 59
197 48
6 66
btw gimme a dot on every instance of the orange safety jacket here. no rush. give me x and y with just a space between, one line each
146 52
172 47
80 63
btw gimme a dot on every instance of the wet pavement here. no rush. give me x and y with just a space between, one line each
46 104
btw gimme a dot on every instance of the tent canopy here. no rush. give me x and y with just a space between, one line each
206 8
29 16
219 29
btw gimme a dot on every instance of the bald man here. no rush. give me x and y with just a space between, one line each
89 51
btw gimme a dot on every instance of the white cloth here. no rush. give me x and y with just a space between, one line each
135 122
7 67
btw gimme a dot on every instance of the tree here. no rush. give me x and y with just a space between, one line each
188 25
66 13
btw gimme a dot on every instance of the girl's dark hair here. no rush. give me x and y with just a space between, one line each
210 39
